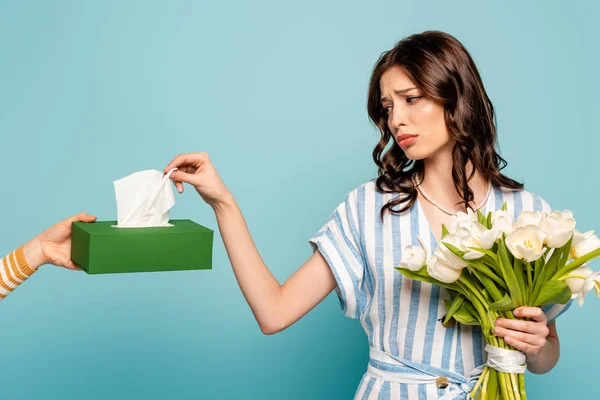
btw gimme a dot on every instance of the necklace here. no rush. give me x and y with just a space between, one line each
417 183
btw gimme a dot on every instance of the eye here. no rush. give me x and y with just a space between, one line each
412 99
386 109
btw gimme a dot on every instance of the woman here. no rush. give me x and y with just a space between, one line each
53 246
427 99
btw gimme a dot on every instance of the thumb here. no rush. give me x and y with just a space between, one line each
70 265
83 217
180 176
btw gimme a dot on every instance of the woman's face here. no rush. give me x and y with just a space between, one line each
416 122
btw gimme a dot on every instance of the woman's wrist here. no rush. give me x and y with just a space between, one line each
32 250
546 359
225 203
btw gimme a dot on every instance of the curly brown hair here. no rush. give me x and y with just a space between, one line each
442 68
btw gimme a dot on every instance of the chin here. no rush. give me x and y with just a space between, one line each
415 154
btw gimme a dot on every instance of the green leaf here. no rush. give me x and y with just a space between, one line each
480 218
447 303
454 249
444 231
504 207
454 306
492 262
466 314
557 292
509 274
505 304
520 275
564 256
481 267
488 222
548 270
486 295
423 276
539 265
578 262
485 251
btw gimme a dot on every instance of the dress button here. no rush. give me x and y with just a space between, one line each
442 382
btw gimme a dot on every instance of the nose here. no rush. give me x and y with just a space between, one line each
398 117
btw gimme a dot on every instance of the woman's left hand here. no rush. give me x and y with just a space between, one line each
526 336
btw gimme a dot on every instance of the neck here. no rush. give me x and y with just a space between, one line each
439 184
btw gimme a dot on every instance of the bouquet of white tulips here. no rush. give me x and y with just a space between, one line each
492 265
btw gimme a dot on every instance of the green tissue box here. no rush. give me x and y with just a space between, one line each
99 248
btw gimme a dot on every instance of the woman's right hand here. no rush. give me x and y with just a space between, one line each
197 170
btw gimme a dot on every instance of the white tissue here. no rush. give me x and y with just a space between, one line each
144 199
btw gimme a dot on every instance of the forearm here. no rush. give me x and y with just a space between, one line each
14 270
547 358
259 287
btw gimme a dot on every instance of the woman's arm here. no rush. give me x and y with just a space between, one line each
53 246
274 306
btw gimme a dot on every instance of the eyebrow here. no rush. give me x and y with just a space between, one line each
399 93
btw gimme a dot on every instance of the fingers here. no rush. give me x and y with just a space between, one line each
186 159
531 327
187 165
82 217
179 176
521 337
534 313
527 348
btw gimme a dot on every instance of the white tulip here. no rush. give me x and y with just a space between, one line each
472 237
439 268
461 220
529 218
456 240
581 281
559 227
584 243
489 237
526 243
577 277
414 257
502 221
480 236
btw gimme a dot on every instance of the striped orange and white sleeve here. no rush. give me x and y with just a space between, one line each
14 270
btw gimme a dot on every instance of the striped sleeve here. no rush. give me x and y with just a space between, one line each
14 270
552 311
339 243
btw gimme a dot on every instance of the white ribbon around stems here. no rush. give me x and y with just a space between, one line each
504 360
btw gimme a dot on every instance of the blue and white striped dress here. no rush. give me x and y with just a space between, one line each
400 316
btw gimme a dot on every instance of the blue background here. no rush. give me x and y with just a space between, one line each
276 94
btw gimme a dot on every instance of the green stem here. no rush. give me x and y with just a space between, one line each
503 386
515 386
484 388
473 290
480 381
522 386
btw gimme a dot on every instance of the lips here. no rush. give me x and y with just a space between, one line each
405 136
406 139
